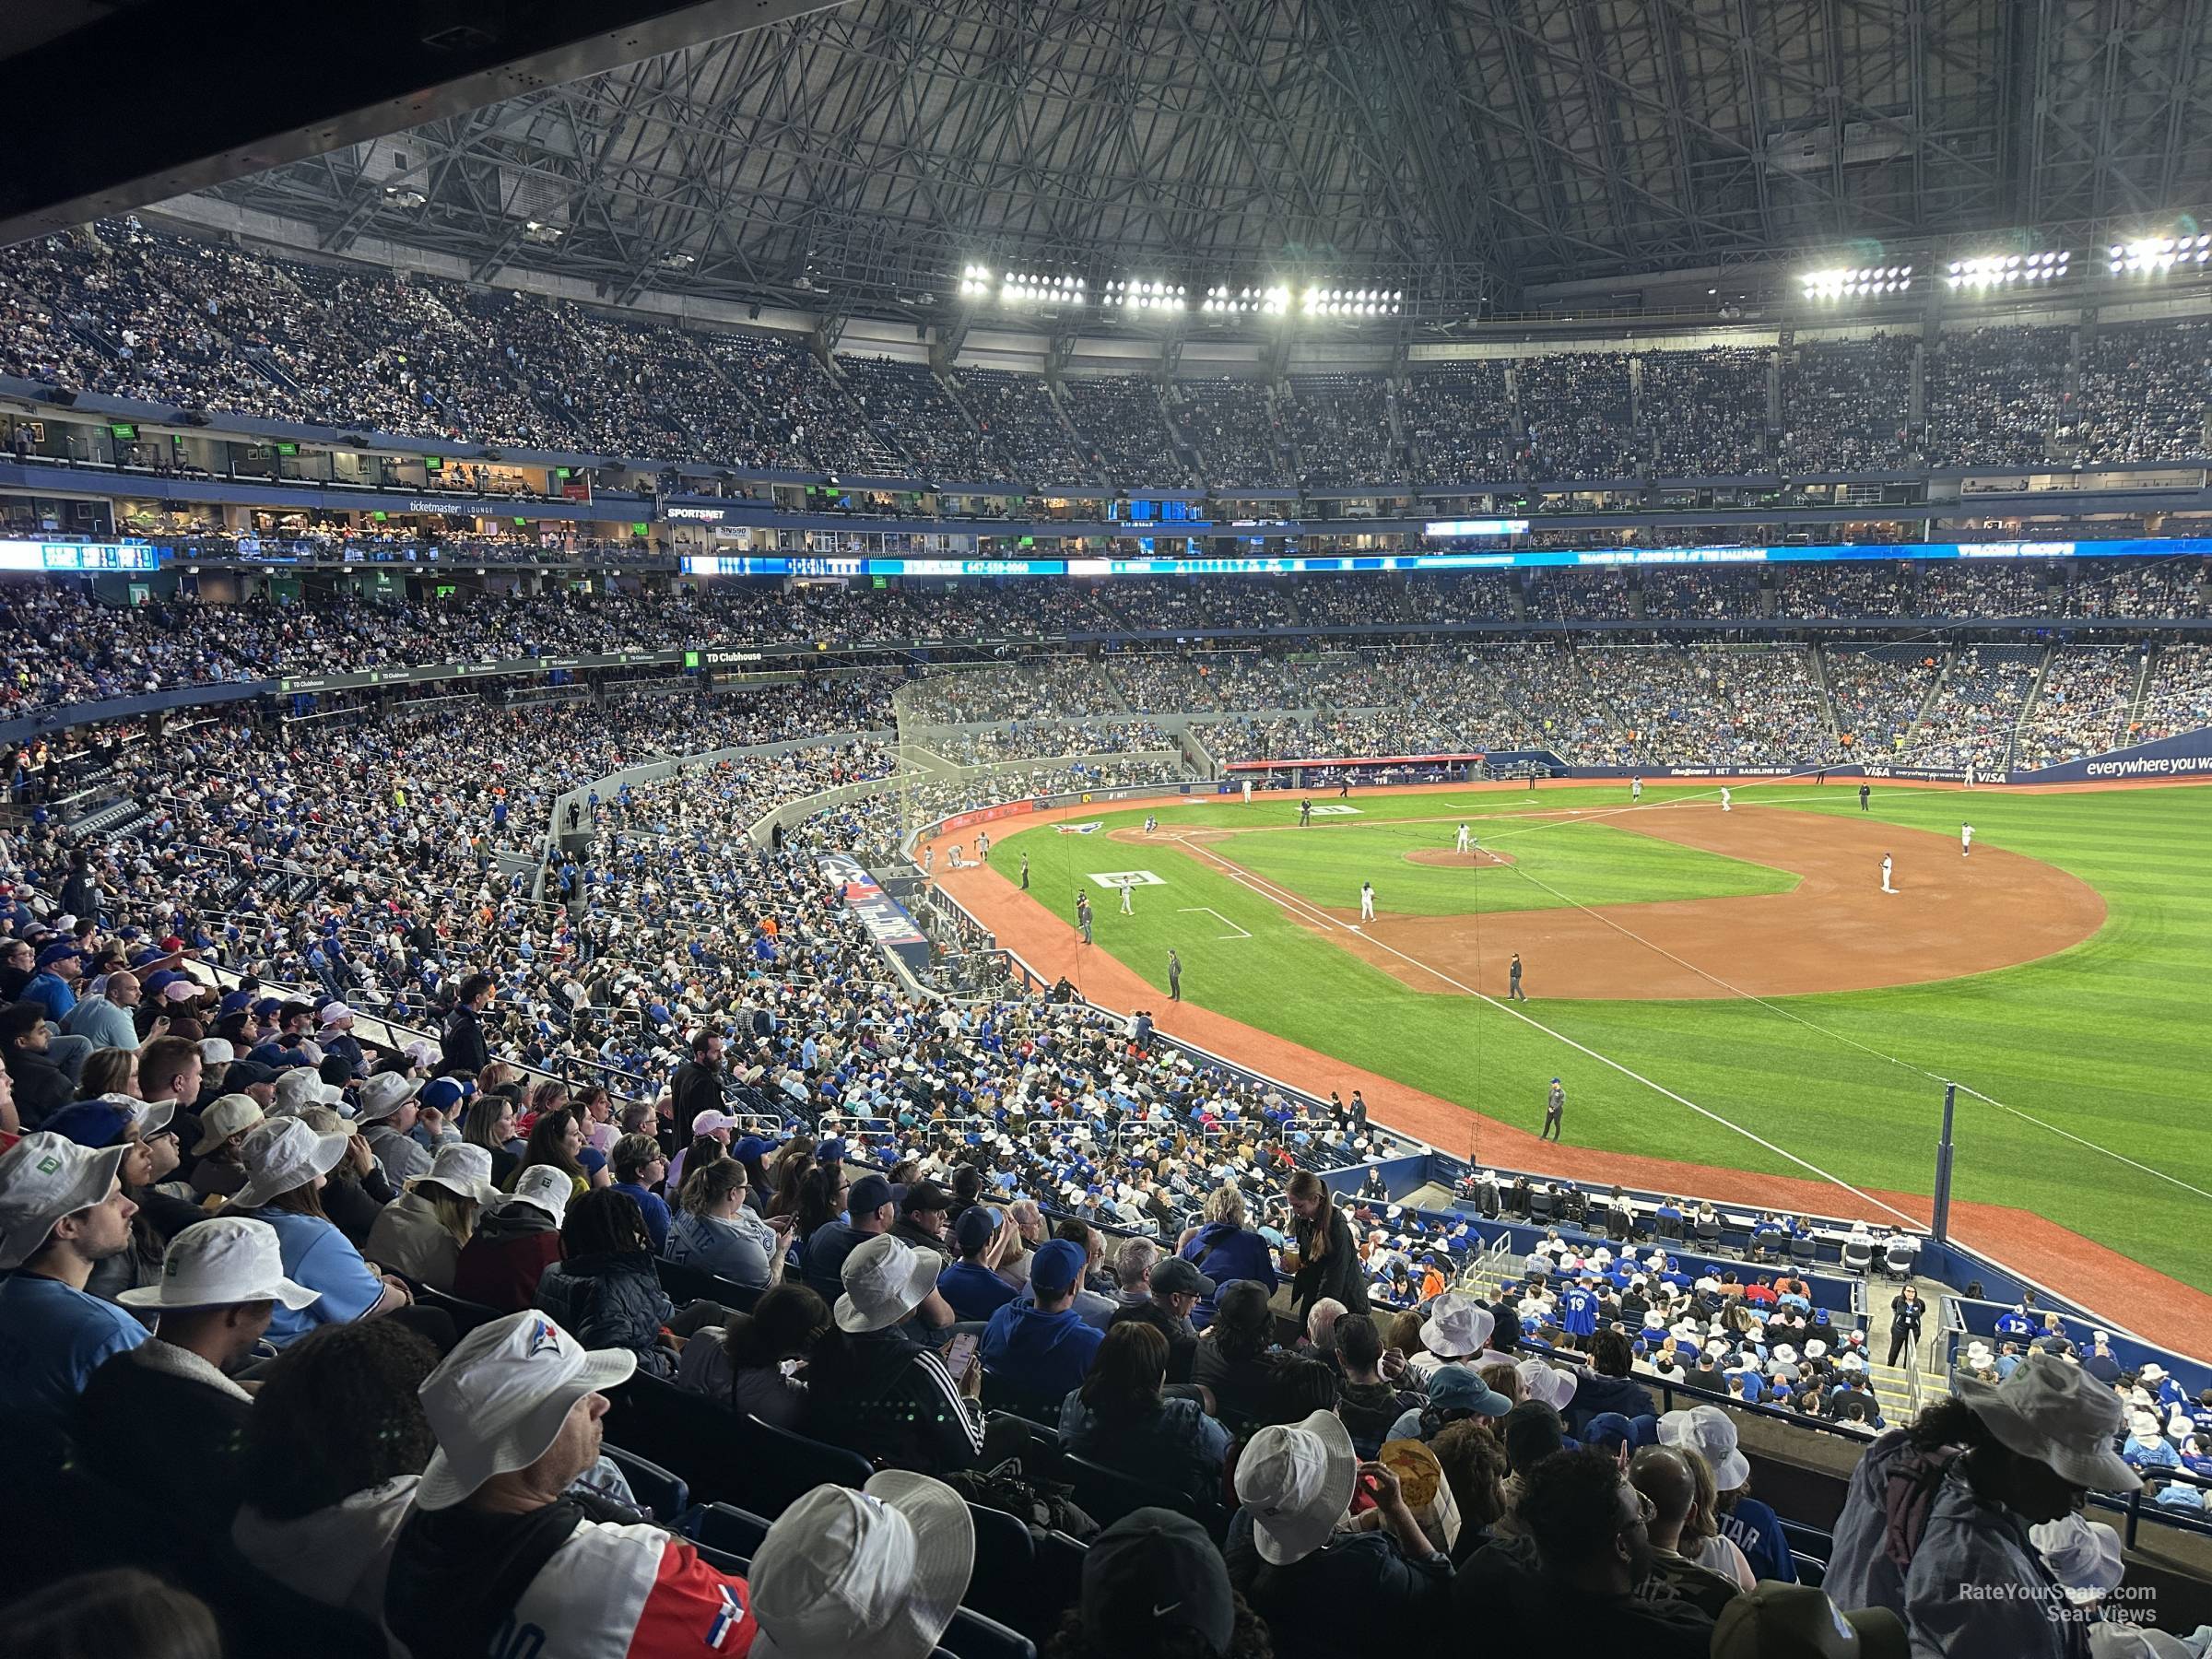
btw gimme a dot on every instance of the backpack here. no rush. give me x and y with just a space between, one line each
1909 1497
1041 1505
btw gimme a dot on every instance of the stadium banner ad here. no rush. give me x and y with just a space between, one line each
2185 755
721 564
885 918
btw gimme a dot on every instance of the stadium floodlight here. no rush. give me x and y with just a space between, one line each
2155 256
2001 270
1856 282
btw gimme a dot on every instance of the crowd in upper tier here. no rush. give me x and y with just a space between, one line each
61 645
127 309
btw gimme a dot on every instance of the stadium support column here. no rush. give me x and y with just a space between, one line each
1939 1224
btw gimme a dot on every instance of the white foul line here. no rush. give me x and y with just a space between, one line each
1290 902
1208 909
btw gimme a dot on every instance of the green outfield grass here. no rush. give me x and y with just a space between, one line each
2107 1041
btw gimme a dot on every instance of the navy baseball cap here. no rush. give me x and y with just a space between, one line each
867 1196
235 1002
1057 1266
749 1147
58 953
441 1094
976 1227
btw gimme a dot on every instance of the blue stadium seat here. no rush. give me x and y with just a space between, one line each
665 1495
1003 1584
972 1636
729 1528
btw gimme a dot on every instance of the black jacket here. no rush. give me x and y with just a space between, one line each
1183 1342
177 1442
891 1400
612 1300
1335 1275
693 1089
1358 1593
1503 1591
463 1040
43 1087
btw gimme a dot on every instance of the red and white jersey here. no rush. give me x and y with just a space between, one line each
615 1592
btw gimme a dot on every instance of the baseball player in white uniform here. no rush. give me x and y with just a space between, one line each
1367 902
1248 792
1724 799
1127 908
1462 847
1966 841
1635 790
1885 886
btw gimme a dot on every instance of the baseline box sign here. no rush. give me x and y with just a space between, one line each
885 918
2184 755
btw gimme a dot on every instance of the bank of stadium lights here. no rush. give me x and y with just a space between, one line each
1856 282
2155 254
1351 302
1143 295
1263 301
2002 270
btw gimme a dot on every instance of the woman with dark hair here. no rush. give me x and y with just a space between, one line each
789 1170
1475 1465
1120 1416
103 1615
335 1447
743 1363
821 1200
605 1290
491 1124
1237 1356
1328 1262
556 1138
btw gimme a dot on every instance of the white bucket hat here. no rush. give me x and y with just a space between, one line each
225 1116
151 1116
1784 1353
1458 1325
386 1094
1815 1349
465 1170
298 1087
1546 1383
43 1178
219 1264
2083 1556
2058 1414
542 1186
498 1401
1709 1431
2153 1372
1296 1479
885 1280
2144 1426
877 1572
285 1153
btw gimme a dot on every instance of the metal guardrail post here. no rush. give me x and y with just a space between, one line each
1939 1221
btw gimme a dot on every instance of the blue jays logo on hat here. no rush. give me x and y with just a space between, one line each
545 1339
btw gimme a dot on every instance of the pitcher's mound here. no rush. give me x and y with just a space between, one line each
1457 861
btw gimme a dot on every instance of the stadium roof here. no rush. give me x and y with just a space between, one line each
1463 150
